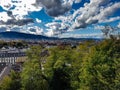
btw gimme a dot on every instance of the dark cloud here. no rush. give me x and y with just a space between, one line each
32 30
54 7
83 24
80 24
18 22
9 13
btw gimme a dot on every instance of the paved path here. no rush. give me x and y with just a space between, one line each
6 71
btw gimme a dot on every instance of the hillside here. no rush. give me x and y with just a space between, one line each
24 36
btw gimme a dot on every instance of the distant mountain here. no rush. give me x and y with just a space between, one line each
23 36
12 35
81 39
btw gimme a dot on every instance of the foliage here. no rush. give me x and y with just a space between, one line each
90 66
11 82
32 74
58 68
100 67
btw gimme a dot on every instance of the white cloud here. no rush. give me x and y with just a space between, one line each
99 27
94 35
71 1
108 11
24 7
53 28
6 4
20 7
38 20
78 1
84 16
52 25
56 28
65 19
4 16
49 32
118 25
96 11
112 19
35 30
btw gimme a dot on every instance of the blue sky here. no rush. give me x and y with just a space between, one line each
62 18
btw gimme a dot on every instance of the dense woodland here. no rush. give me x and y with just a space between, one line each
89 66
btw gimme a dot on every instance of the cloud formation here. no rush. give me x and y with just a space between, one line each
95 12
118 25
56 28
4 16
65 18
38 20
54 7
94 35
35 30
18 22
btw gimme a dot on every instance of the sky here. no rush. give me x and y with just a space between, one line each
61 18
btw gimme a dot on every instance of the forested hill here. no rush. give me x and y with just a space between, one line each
24 36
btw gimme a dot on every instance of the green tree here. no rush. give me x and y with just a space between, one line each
6 83
100 67
11 82
58 68
33 75
78 55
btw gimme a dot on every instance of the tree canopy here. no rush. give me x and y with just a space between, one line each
90 66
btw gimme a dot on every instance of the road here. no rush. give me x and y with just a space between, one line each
6 71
